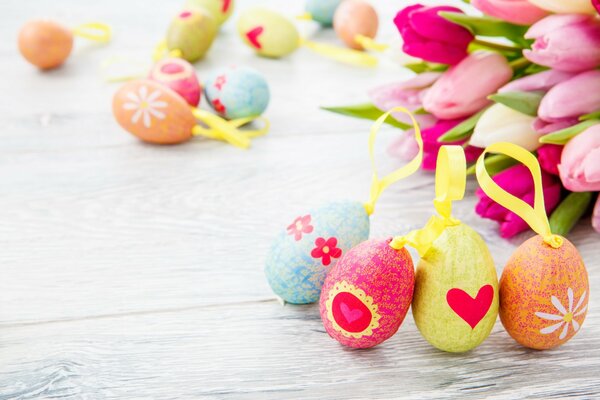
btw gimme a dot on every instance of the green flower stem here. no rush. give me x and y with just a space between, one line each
496 46
569 212
519 63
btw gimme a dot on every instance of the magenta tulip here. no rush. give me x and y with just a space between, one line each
517 180
464 88
572 98
566 42
430 37
520 12
596 4
405 147
542 81
580 162
408 94
549 157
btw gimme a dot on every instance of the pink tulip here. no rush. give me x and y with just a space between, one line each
566 42
428 36
596 216
572 98
464 88
596 4
580 162
542 81
408 94
520 12
406 146
517 180
544 127
549 157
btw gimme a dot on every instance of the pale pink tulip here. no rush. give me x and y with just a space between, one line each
580 162
520 12
596 216
565 6
566 42
542 81
464 88
572 98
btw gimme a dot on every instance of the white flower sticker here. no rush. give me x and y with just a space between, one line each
565 316
145 106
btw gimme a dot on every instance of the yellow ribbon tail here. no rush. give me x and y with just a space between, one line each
379 185
95 31
535 216
161 50
422 239
136 69
368 43
306 16
344 55
221 129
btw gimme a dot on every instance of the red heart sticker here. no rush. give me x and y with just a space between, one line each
253 35
350 313
471 310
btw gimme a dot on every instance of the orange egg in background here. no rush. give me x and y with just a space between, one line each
45 44
355 17
544 294
153 112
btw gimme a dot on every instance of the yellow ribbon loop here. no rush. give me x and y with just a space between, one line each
344 55
379 185
161 50
96 31
450 184
368 43
221 129
535 217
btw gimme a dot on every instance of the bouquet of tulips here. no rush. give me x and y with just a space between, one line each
526 72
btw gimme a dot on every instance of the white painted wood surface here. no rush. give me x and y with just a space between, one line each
135 271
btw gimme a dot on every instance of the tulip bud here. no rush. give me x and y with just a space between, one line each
596 216
520 12
457 94
549 157
565 6
502 124
565 100
565 42
579 166
542 81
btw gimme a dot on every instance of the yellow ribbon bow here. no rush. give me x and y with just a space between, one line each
379 185
222 129
450 183
535 217
96 31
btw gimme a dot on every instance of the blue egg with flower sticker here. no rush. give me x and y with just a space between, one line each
237 92
310 246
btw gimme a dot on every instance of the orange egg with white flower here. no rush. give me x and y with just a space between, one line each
153 112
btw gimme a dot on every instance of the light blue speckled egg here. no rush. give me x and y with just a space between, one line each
237 92
322 10
310 245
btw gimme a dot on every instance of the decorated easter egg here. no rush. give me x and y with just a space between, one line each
367 294
45 44
268 33
237 92
220 9
544 294
455 304
302 255
355 17
322 10
153 112
179 76
192 32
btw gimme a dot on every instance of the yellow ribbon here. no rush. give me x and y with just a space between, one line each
306 16
535 217
450 184
344 55
96 31
368 43
379 185
221 129
161 50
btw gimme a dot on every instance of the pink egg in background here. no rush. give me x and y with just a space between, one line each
180 76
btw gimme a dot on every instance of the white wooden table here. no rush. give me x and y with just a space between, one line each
136 271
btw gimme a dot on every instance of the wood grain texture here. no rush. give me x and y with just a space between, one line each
135 271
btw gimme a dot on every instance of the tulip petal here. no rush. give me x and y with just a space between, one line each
520 12
543 81
565 6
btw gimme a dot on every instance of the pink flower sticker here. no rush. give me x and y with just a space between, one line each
299 226
326 250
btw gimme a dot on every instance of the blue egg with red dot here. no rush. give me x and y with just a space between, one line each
237 92
310 246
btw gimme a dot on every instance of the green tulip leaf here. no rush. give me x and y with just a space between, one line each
523 102
569 212
494 164
486 26
564 135
366 111
420 67
594 115
462 130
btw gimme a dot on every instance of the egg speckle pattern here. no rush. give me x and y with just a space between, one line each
367 294
313 242
237 92
544 294
455 304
